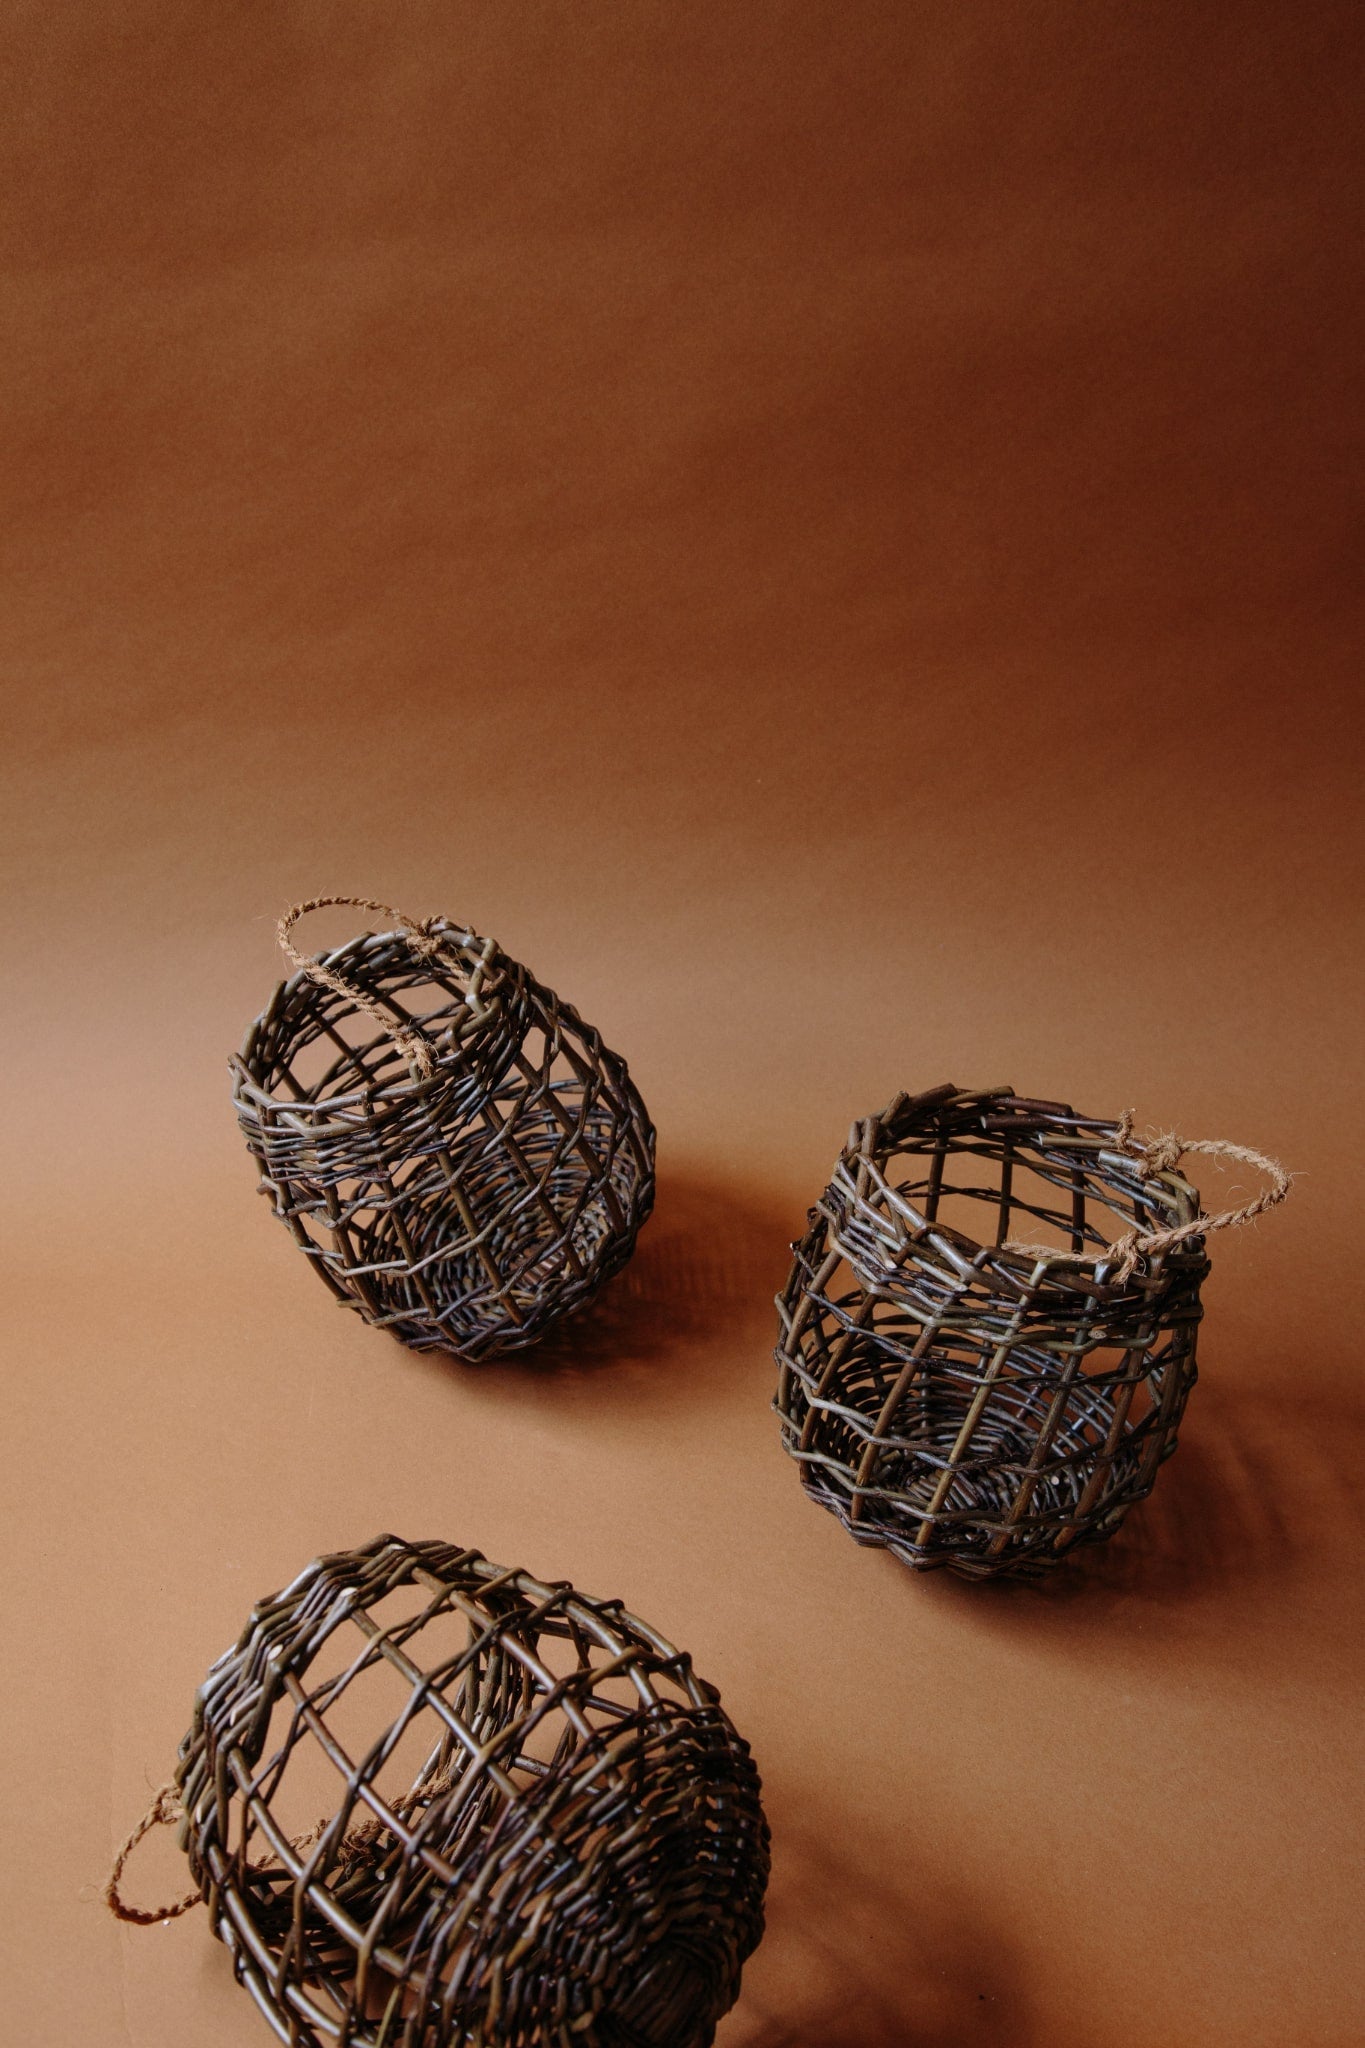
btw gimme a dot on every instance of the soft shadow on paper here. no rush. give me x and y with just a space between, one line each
708 1263
1262 1487
859 1957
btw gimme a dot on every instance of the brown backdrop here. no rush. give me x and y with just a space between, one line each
826 530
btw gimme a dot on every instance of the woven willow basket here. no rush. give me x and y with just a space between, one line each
538 1825
457 1153
963 1397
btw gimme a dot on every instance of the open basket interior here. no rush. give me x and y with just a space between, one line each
520 1737
1003 1172
315 1048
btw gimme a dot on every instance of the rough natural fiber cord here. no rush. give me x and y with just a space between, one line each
544 1830
1163 1154
424 934
962 1398
165 1811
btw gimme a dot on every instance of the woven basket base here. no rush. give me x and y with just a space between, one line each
976 1528
457 1288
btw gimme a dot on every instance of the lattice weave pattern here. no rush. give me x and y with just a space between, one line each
464 1175
540 1827
958 1398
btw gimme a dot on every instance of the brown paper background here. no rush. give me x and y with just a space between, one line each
829 532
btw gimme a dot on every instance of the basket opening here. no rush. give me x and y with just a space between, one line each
346 1051
316 1046
1051 1185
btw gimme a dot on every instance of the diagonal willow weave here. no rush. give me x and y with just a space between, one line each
966 1400
540 1826
458 1154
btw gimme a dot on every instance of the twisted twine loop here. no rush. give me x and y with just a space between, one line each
411 1043
164 1812
167 1810
1163 1154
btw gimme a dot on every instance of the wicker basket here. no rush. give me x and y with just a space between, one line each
460 1157
538 1824
966 1399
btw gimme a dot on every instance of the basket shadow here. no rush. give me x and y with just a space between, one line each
846 1961
1260 1488
850 1960
708 1261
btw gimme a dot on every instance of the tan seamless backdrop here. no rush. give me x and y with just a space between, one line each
828 531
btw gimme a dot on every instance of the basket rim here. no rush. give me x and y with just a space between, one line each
337 1584
869 1148
345 1112
607 1620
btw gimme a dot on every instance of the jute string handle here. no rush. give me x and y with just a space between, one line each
415 1048
167 1811
1163 1154
164 1812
